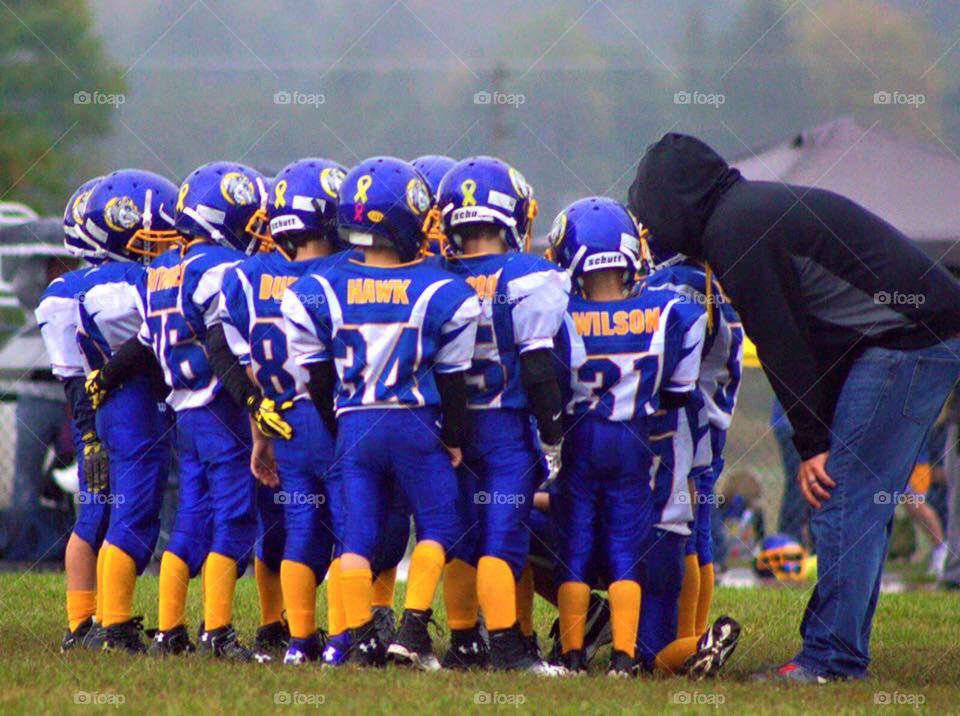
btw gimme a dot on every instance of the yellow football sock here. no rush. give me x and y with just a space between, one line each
460 594
689 594
383 588
525 592
573 598
119 583
221 582
101 561
336 616
270 592
704 597
497 592
357 588
624 596
671 657
426 566
300 595
81 605
174 581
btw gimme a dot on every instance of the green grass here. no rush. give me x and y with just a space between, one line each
915 646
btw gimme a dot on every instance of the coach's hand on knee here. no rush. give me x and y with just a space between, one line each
815 483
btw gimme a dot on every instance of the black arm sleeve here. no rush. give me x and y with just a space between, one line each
543 392
323 379
80 406
228 370
126 363
453 406
673 401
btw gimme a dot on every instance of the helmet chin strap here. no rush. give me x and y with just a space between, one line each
212 230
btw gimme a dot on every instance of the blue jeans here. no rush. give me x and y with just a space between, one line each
886 407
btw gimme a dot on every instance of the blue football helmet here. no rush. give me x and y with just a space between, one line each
74 238
433 167
303 201
487 190
781 556
129 215
384 201
224 202
592 234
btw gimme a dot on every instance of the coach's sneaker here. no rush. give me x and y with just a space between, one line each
73 639
622 665
172 642
273 637
714 648
412 645
125 636
509 651
467 650
336 651
386 622
301 651
223 643
575 662
791 672
366 649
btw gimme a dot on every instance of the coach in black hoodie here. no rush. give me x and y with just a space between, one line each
857 331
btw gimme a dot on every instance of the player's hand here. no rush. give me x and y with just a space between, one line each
263 463
815 483
456 455
95 389
268 419
552 455
96 464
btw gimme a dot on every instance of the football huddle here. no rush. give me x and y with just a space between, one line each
333 359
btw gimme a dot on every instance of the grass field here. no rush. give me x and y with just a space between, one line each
916 661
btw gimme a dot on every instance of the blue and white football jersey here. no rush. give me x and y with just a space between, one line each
57 318
635 348
181 300
523 300
386 328
110 310
253 323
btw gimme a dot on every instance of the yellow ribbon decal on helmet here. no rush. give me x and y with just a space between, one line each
280 200
363 183
468 187
182 195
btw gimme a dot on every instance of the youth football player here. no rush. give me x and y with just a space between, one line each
400 336
487 209
642 354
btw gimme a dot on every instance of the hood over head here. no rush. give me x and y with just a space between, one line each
679 182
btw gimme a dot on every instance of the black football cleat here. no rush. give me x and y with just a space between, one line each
467 650
95 637
73 639
126 636
365 648
172 642
510 651
597 632
412 645
386 622
223 643
713 650
575 662
622 666
273 637
302 651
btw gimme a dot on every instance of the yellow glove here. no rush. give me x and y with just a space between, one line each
96 464
268 417
95 390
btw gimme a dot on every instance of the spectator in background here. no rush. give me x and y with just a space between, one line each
915 503
794 517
